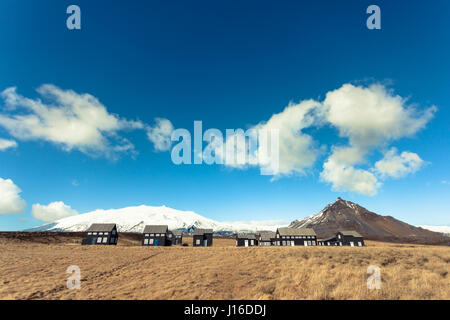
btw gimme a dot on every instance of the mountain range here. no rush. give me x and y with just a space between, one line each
346 215
339 215
134 219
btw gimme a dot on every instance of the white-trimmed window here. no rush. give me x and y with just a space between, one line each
105 239
145 241
89 233
94 233
150 241
99 239
105 233
197 241
100 233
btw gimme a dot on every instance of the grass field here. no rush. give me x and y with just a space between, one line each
31 270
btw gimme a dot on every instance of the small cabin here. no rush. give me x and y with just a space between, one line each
101 233
246 240
177 236
344 238
202 238
350 238
295 237
266 238
156 235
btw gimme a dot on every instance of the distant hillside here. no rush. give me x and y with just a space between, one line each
346 215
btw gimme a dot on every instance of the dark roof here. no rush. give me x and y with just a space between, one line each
267 235
199 232
333 238
101 227
177 232
155 229
296 232
350 233
250 236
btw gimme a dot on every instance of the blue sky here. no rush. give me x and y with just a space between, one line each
230 64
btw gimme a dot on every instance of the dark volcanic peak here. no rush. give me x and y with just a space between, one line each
347 215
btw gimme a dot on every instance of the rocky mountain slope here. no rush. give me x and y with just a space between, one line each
346 215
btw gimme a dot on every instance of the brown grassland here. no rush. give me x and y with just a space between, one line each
31 269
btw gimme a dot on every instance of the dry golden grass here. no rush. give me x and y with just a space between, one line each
31 270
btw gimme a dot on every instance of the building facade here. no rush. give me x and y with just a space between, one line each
101 234
246 240
156 235
202 237
295 237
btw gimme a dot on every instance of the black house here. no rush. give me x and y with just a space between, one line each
246 240
344 238
266 238
177 237
202 238
101 233
156 235
295 237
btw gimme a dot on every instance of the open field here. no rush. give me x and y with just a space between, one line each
34 267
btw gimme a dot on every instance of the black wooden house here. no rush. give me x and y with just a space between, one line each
202 237
246 240
101 234
266 238
295 237
177 236
344 238
156 235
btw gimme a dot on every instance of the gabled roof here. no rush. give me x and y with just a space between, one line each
177 232
101 227
350 233
296 232
249 236
155 229
200 232
267 235
333 238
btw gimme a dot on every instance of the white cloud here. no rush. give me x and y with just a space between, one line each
160 134
5 144
52 212
398 166
70 120
370 117
339 170
297 150
10 200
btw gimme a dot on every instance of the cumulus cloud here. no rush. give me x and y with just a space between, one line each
68 119
339 170
370 118
6 144
10 200
52 212
297 151
160 134
398 165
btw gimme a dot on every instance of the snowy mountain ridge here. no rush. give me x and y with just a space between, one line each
134 219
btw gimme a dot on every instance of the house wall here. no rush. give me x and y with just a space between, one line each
92 239
208 237
162 240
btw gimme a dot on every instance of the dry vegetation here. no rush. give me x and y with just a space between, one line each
31 270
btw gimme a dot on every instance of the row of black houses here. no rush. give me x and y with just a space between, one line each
153 235
298 237
160 235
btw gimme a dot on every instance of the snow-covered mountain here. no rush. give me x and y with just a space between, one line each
441 229
133 219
